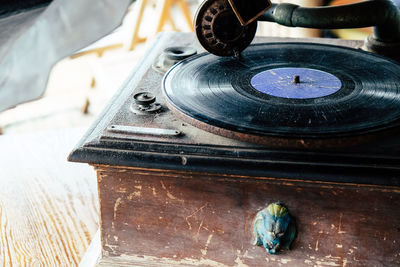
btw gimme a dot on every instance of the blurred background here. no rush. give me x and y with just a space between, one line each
80 85
48 206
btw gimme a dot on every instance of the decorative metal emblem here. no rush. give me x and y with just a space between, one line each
274 228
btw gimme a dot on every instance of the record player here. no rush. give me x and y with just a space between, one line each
285 151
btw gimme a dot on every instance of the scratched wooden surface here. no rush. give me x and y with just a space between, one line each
171 218
48 206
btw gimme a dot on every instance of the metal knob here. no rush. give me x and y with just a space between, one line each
172 55
145 103
144 98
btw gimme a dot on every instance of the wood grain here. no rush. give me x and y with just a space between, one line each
48 206
171 218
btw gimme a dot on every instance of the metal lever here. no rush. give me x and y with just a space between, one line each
125 129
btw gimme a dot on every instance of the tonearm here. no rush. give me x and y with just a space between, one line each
221 29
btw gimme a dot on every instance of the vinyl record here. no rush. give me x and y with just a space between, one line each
290 90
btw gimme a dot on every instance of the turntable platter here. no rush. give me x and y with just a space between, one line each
288 90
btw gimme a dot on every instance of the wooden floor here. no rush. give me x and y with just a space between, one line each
48 206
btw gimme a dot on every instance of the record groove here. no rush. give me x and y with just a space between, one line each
218 92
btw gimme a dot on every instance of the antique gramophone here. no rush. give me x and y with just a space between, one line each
286 152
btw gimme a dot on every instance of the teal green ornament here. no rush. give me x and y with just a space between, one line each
274 228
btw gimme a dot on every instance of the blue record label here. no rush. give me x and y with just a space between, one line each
298 83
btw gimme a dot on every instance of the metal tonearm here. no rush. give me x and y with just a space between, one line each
383 15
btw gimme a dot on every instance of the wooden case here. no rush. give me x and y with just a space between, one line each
191 200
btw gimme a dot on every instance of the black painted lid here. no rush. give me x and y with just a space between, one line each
126 135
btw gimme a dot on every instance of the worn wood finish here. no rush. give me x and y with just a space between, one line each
48 206
156 217
161 206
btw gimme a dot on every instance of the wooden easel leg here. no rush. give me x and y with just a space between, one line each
162 13
170 19
141 5
186 12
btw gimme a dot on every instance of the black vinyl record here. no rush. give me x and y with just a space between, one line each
338 91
